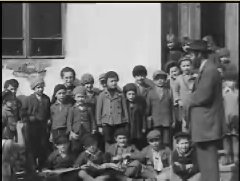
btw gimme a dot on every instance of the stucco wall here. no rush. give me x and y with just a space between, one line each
102 37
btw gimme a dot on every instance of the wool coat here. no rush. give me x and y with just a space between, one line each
205 105
160 108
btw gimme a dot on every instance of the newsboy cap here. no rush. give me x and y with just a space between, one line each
79 90
87 78
36 81
153 134
159 73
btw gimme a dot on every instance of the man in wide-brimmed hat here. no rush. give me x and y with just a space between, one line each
205 112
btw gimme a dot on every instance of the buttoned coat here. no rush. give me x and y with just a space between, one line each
160 108
111 110
205 105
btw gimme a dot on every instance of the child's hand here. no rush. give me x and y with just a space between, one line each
143 130
188 166
94 131
19 125
100 130
73 135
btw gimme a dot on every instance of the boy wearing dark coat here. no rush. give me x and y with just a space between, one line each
37 109
184 160
160 107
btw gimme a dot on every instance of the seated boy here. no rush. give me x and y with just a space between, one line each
184 162
91 160
155 157
61 157
120 152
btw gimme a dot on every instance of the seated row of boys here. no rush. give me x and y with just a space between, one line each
125 159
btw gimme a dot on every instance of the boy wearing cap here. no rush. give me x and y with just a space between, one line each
87 81
184 160
155 158
37 109
111 111
142 83
62 156
80 119
183 87
160 107
120 153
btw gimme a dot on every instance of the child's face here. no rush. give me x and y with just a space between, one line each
60 95
121 140
12 89
170 45
186 66
63 148
183 145
174 72
93 148
12 104
89 87
130 96
68 78
112 82
80 99
140 79
159 81
154 143
39 89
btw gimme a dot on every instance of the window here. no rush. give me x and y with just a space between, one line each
32 30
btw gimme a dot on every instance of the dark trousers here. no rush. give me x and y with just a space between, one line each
165 135
58 132
37 143
207 157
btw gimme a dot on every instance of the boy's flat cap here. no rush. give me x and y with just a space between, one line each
181 135
159 73
153 134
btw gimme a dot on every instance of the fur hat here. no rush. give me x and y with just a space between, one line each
111 74
79 90
139 70
87 78
129 87
37 81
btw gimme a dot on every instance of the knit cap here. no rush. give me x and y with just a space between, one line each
160 73
36 81
111 74
129 87
87 78
153 134
79 90
139 70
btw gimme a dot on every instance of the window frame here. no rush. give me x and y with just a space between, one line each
26 36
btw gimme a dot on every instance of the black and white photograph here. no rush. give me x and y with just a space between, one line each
107 91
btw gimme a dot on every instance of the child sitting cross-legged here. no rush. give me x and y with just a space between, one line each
155 158
93 162
62 156
120 153
184 160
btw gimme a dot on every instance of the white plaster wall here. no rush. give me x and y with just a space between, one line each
102 37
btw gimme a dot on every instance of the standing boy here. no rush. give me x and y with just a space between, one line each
111 111
80 119
37 108
160 107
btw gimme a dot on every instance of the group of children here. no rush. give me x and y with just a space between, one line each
102 130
